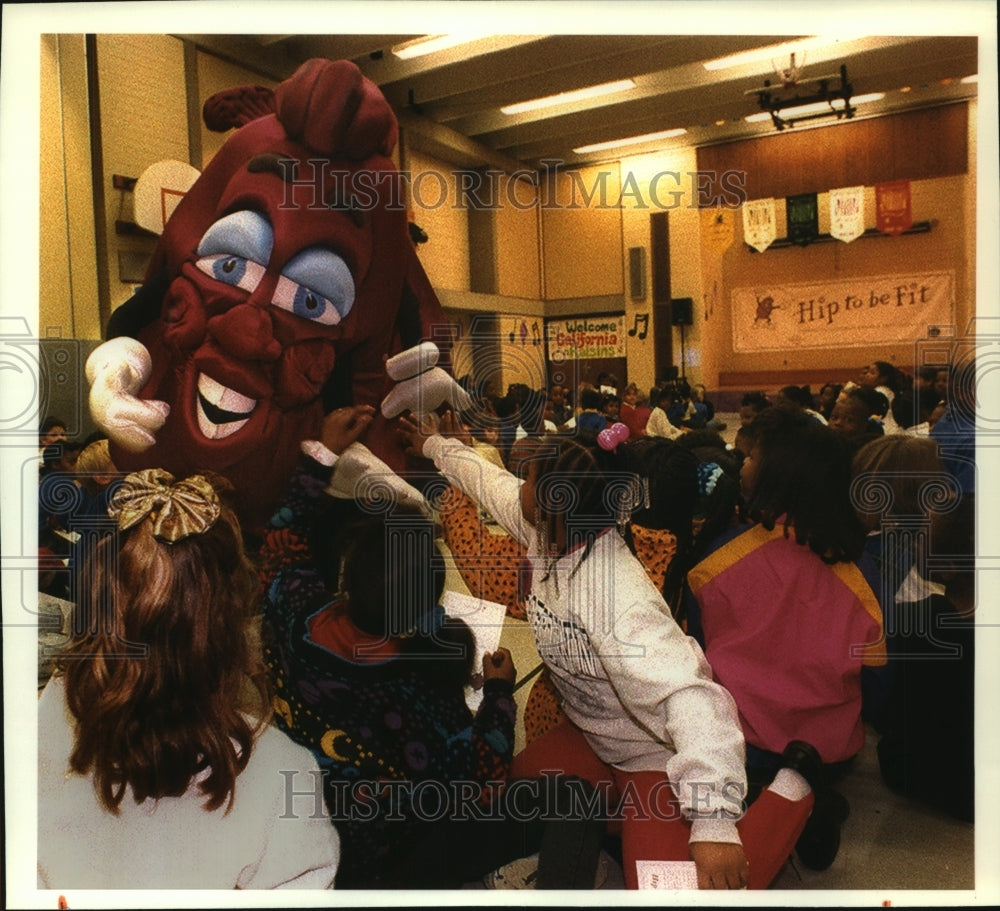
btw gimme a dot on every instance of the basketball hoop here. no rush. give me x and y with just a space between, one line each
789 76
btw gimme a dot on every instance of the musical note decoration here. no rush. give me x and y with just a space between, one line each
641 319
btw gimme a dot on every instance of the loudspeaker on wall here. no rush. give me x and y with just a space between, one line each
682 311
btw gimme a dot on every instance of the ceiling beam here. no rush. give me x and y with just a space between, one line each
442 142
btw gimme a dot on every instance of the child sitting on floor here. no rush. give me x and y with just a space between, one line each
157 767
370 674
786 609
646 722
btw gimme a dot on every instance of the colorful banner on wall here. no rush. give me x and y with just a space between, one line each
892 207
857 312
758 223
586 337
847 213
802 215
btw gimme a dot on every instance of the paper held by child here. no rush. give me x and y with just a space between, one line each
485 618
672 875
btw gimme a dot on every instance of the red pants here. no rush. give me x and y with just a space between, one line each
768 829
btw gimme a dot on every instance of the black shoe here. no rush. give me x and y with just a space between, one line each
804 759
819 842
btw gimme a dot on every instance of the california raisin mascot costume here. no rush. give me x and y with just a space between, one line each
281 284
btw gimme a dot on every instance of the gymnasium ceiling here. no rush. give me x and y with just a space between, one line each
451 99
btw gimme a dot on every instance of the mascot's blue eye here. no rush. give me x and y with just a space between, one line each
233 270
305 303
316 285
309 304
230 270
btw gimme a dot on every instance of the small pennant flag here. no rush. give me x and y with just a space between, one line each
892 207
847 213
758 223
802 214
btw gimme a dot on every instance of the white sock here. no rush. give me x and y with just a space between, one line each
790 784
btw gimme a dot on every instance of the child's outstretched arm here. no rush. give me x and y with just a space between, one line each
285 542
493 488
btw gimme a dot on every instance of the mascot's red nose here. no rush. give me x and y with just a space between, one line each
245 332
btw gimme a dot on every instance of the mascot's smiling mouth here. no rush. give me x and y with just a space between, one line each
221 410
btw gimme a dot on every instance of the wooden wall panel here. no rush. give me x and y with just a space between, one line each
914 145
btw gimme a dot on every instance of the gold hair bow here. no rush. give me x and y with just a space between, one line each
180 509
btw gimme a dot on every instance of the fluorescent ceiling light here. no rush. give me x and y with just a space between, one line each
968 80
591 91
817 107
428 44
768 53
631 140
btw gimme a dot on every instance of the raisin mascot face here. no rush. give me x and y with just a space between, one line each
282 281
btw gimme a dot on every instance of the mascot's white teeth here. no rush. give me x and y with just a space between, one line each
221 410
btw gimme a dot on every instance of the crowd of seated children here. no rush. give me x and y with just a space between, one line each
699 395
562 410
684 411
889 380
351 609
590 419
643 714
611 408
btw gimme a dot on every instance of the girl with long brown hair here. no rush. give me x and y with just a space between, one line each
157 766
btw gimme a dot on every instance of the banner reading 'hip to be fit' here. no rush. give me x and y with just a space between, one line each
856 312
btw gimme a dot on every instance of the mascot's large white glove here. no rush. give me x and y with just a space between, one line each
116 371
422 386
360 474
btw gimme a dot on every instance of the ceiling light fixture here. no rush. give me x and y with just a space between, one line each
772 52
969 80
631 140
429 44
591 91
